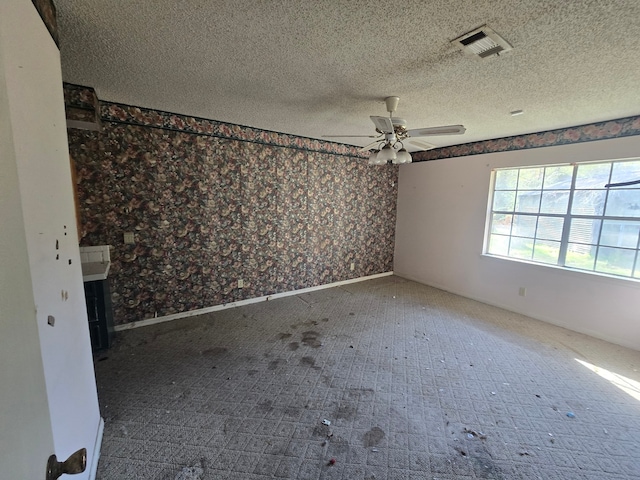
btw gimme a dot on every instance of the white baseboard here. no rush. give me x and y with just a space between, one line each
543 318
216 308
96 450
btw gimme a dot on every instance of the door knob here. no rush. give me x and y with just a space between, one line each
76 463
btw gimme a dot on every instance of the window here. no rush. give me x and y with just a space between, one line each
563 215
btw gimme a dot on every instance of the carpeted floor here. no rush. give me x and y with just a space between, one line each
416 383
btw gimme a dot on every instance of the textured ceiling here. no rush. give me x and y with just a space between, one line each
312 68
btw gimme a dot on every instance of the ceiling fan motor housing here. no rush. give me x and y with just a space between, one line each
392 103
399 126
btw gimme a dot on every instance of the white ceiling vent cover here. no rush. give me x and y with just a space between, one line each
482 42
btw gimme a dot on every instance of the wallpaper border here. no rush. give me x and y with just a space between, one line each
149 117
621 127
78 95
47 11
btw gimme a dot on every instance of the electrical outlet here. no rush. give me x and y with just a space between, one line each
129 238
240 283
522 292
353 266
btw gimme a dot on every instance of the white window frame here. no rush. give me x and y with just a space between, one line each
567 217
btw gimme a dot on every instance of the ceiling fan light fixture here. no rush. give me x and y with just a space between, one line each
373 158
402 157
386 153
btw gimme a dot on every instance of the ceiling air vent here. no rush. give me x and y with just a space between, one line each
482 42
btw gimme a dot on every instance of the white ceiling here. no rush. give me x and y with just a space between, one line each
316 67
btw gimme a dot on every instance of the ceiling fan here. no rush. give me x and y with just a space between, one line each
392 134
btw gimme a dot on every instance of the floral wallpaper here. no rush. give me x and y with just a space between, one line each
47 11
84 98
622 127
82 107
208 210
211 202
77 96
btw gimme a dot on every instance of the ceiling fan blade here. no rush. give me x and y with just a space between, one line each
418 143
443 130
383 124
369 147
350 136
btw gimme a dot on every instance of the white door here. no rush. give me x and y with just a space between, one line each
26 439
48 400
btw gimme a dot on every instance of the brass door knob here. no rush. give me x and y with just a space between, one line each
76 463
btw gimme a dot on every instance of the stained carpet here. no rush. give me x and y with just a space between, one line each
383 379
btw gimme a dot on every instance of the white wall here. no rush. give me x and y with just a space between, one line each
31 66
442 208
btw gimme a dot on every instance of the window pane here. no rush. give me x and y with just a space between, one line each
501 223
530 179
546 252
558 178
504 201
550 228
530 216
623 203
626 172
555 201
524 225
584 230
593 175
615 260
588 202
521 248
620 234
506 179
499 245
580 256
528 202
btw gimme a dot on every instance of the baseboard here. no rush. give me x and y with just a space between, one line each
216 308
542 318
96 450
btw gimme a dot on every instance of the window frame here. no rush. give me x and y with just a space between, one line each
567 219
